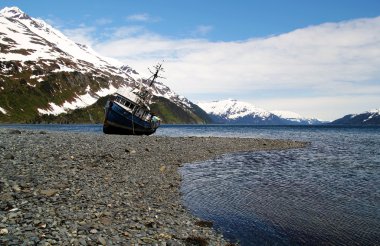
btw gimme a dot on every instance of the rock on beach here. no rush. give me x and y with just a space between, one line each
93 189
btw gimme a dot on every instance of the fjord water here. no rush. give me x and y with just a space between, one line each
326 193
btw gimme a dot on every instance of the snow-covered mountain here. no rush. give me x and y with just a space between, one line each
296 118
28 39
55 75
236 112
371 117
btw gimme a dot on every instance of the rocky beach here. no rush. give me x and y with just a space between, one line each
63 188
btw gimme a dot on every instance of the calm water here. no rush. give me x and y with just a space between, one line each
328 193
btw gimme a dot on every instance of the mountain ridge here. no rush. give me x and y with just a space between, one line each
367 118
231 111
42 72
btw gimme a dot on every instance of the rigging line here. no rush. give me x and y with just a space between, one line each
133 124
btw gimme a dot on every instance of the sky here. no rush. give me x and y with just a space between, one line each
318 58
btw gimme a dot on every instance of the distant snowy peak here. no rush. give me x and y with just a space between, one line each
287 114
236 112
295 117
371 117
374 111
369 112
232 109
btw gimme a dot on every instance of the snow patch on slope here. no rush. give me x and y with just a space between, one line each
3 111
287 114
374 111
53 109
81 101
294 117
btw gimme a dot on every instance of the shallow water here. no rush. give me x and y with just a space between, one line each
327 193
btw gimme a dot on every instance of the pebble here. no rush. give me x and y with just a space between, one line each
49 192
93 231
12 215
4 231
130 151
87 189
9 156
102 241
16 188
14 131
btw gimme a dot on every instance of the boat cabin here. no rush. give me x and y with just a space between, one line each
140 111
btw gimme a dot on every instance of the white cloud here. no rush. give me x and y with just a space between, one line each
202 30
127 31
82 35
143 17
103 21
333 60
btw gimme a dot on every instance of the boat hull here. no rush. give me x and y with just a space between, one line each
119 121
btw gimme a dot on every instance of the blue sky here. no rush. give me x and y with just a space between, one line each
317 58
229 20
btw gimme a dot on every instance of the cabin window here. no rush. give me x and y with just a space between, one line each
129 105
125 102
120 100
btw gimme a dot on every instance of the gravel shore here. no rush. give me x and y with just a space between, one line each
91 189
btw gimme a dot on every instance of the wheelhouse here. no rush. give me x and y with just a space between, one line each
139 111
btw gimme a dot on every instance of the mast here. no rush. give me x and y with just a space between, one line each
144 92
154 76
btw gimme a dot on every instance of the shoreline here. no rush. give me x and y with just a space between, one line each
93 189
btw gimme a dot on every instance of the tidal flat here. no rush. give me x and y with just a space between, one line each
91 189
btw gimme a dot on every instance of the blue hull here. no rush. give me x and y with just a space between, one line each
119 121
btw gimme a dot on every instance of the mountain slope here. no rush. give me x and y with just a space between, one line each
371 117
235 112
42 72
296 118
